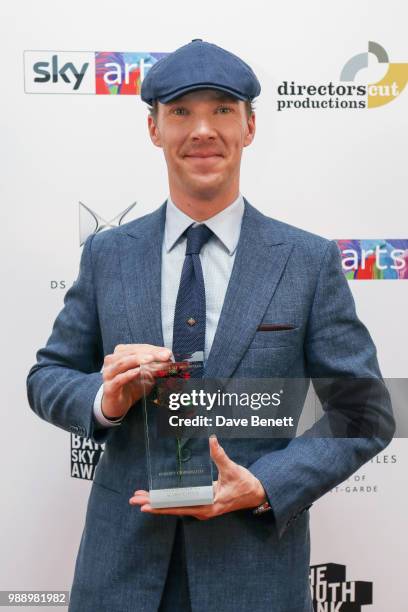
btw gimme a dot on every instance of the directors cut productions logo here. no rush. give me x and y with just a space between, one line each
87 72
331 592
374 259
349 92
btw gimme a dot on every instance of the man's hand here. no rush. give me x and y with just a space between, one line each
124 381
235 489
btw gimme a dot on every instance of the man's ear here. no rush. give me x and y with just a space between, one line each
153 131
251 129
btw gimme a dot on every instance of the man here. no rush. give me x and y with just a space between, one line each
205 250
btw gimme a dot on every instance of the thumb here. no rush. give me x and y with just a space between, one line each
218 454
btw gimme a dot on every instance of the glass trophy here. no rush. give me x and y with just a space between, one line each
179 466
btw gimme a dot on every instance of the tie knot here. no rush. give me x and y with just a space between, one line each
196 238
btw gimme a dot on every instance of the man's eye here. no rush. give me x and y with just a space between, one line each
179 111
227 109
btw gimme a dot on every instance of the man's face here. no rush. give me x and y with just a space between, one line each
202 135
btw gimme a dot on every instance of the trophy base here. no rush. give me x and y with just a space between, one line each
186 496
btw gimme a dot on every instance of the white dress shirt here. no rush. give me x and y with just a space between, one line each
217 259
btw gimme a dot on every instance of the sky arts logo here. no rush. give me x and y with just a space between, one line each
355 89
87 72
375 259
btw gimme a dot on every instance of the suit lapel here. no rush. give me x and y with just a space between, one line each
259 264
140 257
260 261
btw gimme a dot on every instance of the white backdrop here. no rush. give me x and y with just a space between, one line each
338 173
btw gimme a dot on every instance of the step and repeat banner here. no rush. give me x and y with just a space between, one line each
329 156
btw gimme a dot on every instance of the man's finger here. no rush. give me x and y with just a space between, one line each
207 510
139 500
123 363
131 349
218 454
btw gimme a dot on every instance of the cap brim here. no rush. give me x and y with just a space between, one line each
182 91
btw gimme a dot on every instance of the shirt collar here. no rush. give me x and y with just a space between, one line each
226 224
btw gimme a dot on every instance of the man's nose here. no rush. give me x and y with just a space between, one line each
203 129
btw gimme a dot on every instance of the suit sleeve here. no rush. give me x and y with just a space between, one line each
336 345
63 384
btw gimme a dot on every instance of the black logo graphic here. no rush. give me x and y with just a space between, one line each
85 455
331 592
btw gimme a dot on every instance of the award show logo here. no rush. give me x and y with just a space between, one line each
87 72
90 222
331 592
365 481
375 259
85 455
349 92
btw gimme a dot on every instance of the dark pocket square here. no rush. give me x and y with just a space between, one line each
275 327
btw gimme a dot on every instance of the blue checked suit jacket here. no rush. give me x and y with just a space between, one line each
237 561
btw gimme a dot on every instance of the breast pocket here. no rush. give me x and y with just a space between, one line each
276 336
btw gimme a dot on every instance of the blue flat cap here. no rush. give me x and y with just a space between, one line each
199 65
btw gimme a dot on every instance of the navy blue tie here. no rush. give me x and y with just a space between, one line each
190 312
